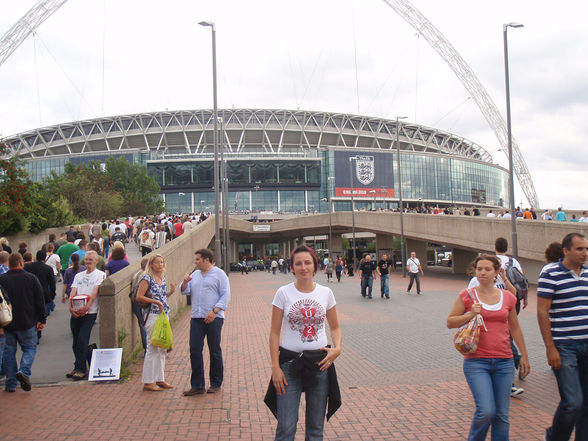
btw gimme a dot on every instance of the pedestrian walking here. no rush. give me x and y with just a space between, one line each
28 316
414 266
367 273
384 273
490 368
83 307
562 313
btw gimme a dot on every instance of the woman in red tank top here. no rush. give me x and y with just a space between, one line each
490 369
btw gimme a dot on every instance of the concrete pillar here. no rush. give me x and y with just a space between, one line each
337 245
384 244
420 248
462 260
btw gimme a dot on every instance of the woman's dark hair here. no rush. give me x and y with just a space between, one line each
22 245
118 254
75 262
304 249
496 263
553 252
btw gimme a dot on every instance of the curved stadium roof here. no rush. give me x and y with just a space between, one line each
259 132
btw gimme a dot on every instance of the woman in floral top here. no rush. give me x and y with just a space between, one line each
153 282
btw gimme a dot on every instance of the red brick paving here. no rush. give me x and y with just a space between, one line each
398 382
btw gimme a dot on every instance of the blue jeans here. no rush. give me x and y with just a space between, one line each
28 344
490 380
2 346
288 404
212 332
384 287
572 382
413 277
138 311
81 328
105 247
367 281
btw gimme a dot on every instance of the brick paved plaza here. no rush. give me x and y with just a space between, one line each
399 374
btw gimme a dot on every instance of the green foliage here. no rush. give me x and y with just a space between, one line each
14 194
345 243
49 211
89 191
139 190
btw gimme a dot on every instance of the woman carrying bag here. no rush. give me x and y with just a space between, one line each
302 360
489 368
153 290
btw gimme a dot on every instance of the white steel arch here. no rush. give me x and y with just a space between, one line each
27 24
44 8
478 92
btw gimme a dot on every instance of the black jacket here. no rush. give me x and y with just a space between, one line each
334 398
26 297
45 275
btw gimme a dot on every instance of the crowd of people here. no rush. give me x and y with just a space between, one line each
301 358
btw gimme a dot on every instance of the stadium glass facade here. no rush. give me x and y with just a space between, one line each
282 160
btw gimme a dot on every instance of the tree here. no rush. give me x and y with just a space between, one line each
50 211
14 194
139 190
89 191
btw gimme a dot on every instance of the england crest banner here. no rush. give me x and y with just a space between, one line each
365 169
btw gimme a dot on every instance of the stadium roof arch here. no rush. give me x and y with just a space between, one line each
259 132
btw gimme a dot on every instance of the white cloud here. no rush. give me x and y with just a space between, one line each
315 55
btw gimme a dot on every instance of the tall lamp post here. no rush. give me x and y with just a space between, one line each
351 158
374 192
217 241
514 239
180 201
400 203
330 180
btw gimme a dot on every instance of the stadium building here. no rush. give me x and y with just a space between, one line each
278 160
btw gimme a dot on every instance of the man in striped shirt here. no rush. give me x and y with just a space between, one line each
562 312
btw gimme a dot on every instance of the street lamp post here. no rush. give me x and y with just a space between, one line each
513 221
201 202
400 203
217 242
180 201
330 180
351 158
374 192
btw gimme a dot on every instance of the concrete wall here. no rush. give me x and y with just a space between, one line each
118 325
35 241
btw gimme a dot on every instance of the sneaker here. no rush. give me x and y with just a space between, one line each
192 391
514 391
70 374
213 389
77 376
24 380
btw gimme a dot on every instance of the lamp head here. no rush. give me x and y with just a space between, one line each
206 23
512 24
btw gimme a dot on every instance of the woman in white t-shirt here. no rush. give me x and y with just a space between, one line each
302 359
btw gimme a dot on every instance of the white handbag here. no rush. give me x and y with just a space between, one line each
5 309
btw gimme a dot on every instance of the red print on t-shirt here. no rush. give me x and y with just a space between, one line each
306 316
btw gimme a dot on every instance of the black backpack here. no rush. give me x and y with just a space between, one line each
518 280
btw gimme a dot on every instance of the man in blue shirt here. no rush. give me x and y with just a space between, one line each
208 287
562 313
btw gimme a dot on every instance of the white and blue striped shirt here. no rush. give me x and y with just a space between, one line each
569 302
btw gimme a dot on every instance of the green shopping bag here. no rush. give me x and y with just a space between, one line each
162 336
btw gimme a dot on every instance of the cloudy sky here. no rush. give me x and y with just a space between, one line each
109 57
